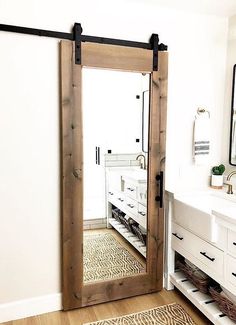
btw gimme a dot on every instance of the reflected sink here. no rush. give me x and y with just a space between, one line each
194 212
117 175
139 175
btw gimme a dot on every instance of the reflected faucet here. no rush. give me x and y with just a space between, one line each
230 186
143 164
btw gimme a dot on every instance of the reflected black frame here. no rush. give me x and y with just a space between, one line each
231 118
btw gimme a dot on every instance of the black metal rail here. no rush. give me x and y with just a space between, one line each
78 38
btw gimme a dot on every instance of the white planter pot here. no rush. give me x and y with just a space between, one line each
217 181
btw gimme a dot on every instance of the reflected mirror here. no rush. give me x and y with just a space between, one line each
232 150
115 109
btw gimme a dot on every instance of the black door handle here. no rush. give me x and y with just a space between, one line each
159 198
98 155
234 274
209 258
96 151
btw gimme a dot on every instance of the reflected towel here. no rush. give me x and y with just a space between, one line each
201 139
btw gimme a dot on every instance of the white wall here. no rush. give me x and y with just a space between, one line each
231 61
29 117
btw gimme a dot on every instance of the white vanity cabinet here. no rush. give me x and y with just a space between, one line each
212 249
127 190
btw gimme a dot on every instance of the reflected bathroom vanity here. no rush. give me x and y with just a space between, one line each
127 204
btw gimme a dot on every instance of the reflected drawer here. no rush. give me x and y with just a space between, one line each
142 194
130 190
112 196
142 215
120 197
131 205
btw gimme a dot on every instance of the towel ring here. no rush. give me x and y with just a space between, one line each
202 111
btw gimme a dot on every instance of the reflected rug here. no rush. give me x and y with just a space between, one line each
172 314
105 258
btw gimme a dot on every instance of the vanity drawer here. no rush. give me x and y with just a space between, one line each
208 254
230 270
142 215
180 237
131 205
131 190
232 242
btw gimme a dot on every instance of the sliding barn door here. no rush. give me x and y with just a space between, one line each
77 293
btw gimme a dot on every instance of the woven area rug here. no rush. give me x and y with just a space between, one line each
172 314
105 258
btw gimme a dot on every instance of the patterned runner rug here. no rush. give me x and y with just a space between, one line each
105 258
172 314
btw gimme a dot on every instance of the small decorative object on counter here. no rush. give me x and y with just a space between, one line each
217 176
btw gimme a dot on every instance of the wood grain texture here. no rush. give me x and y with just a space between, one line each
115 309
157 127
75 293
116 57
72 177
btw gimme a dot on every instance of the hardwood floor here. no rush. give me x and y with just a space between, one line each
113 309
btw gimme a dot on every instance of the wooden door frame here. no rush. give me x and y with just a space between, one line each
75 293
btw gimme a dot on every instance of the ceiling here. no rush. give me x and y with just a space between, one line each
223 8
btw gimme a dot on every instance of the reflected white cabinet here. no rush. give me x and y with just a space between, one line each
123 191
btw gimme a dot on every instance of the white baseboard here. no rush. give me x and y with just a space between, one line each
30 307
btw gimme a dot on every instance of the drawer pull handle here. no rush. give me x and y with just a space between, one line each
234 243
120 199
130 189
131 206
111 193
209 258
234 274
142 213
175 234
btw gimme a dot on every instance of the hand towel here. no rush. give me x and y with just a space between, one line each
201 139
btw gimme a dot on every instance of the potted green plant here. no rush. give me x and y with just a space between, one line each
217 176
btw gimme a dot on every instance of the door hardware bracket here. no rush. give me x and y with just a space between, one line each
77 37
154 40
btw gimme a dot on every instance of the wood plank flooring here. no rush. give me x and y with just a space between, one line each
114 309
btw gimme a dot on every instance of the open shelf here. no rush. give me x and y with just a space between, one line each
203 302
131 238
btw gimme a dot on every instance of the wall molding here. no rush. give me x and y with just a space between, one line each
30 307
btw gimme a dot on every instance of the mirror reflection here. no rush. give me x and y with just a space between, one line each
232 158
115 127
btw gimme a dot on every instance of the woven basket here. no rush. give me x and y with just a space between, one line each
125 222
225 305
115 214
201 284
141 236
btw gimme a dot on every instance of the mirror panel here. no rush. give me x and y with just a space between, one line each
232 150
115 129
